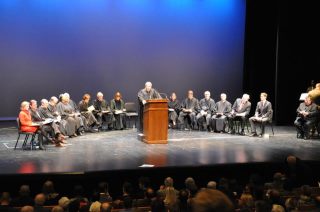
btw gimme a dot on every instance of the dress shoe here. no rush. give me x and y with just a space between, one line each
242 132
232 132
253 134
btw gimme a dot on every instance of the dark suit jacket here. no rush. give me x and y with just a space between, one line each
113 105
245 108
264 111
35 116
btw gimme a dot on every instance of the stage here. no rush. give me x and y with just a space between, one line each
121 150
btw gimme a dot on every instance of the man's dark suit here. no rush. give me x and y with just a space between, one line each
262 115
305 123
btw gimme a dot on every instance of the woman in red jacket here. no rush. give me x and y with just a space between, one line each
26 124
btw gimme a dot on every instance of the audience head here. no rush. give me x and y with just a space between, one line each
106 207
27 208
190 94
208 200
24 190
183 195
207 95
117 96
127 188
263 96
24 105
149 194
223 97
291 204
100 96
86 98
168 182
291 160
33 104
103 187
173 96
148 86
277 208
57 209
317 86
170 196
64 202
95 207
5 198
48 187
277 177
246 201
39 200
212 185
263 206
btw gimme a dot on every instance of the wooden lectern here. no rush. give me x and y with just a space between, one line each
155 121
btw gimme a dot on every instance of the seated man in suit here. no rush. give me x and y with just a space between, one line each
240 111
207 108
102 111
48 130
262 115
189 109
307 113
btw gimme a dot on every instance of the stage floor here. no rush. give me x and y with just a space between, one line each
121 150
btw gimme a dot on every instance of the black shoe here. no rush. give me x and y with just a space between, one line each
253 134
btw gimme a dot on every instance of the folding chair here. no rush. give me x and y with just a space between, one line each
27 134
131 112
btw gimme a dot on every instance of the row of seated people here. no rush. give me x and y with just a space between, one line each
291 189
214 116
57 118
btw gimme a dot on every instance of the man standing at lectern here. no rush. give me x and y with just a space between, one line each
145 94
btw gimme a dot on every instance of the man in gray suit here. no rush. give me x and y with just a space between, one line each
262 115
240 111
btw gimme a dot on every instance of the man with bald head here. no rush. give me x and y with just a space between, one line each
143 95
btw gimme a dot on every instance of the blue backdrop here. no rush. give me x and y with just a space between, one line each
48 47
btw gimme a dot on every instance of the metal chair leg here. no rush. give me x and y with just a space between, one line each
15 146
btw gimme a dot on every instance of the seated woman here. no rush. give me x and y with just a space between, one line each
117 107
27 125
67 113
86 111
174 109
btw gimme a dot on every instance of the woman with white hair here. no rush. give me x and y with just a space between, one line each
26 124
